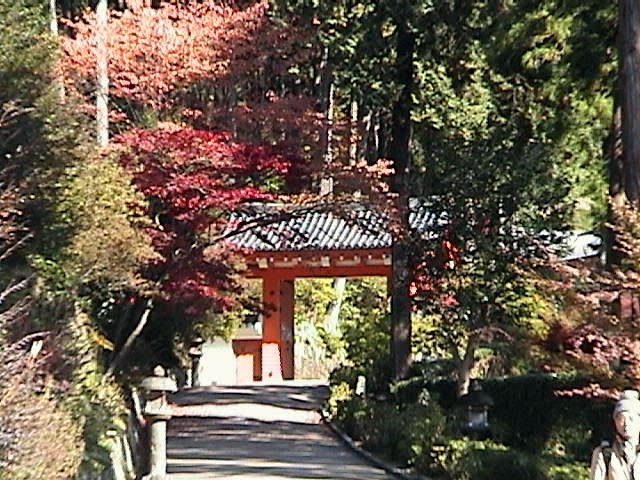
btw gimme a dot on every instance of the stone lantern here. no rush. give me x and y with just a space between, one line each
476 404
195 353
157 413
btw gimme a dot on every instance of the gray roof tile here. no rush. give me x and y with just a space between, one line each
358 228
355 228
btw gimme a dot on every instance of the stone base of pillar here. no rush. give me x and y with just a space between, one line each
271 366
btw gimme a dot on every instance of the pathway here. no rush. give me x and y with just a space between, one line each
258 432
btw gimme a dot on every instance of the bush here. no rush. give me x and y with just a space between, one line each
425 427
486 460
353 415
345 375
404 435
464 459
365 330
38 437
338 393
529 414
545 437
570 438
97 404
568 471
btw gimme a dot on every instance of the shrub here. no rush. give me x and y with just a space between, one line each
345 374
38 437
530 415
417 435
384 431
570 438
425 426
365 330
486 460
403 434
353 415
338 393
97 403
568 471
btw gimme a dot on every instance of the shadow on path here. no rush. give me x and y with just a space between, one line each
295 395
258 432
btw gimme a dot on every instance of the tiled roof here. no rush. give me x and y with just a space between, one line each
359 228
356 228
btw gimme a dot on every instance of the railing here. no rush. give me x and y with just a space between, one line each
130 449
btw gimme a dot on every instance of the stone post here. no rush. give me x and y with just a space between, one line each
361 386
157 413
195 352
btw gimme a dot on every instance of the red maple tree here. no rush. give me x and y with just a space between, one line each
193 179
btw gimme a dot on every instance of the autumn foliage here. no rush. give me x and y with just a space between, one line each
597 331
193 179
157 54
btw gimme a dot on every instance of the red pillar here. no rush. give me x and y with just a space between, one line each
286 328
277 328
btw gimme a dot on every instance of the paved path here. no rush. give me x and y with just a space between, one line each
258 433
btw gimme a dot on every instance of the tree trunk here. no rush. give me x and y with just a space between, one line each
399 153
53 28
102 75
366 139
616 180
465 365
333 313
353 133
324 83
132 338
326 180
122 321
629 44
53 18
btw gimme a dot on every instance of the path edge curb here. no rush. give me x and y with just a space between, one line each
371 458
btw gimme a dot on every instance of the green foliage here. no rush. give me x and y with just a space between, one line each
318 348
39 135
97 404
539 427
541 413
567 471
39 138
27 141
474 132
564 52
103 212
422 436
495 300
27 53
465 459
404 434
366 330
338 393
483 66
360 338
486 460
357 38
546 420
510 121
